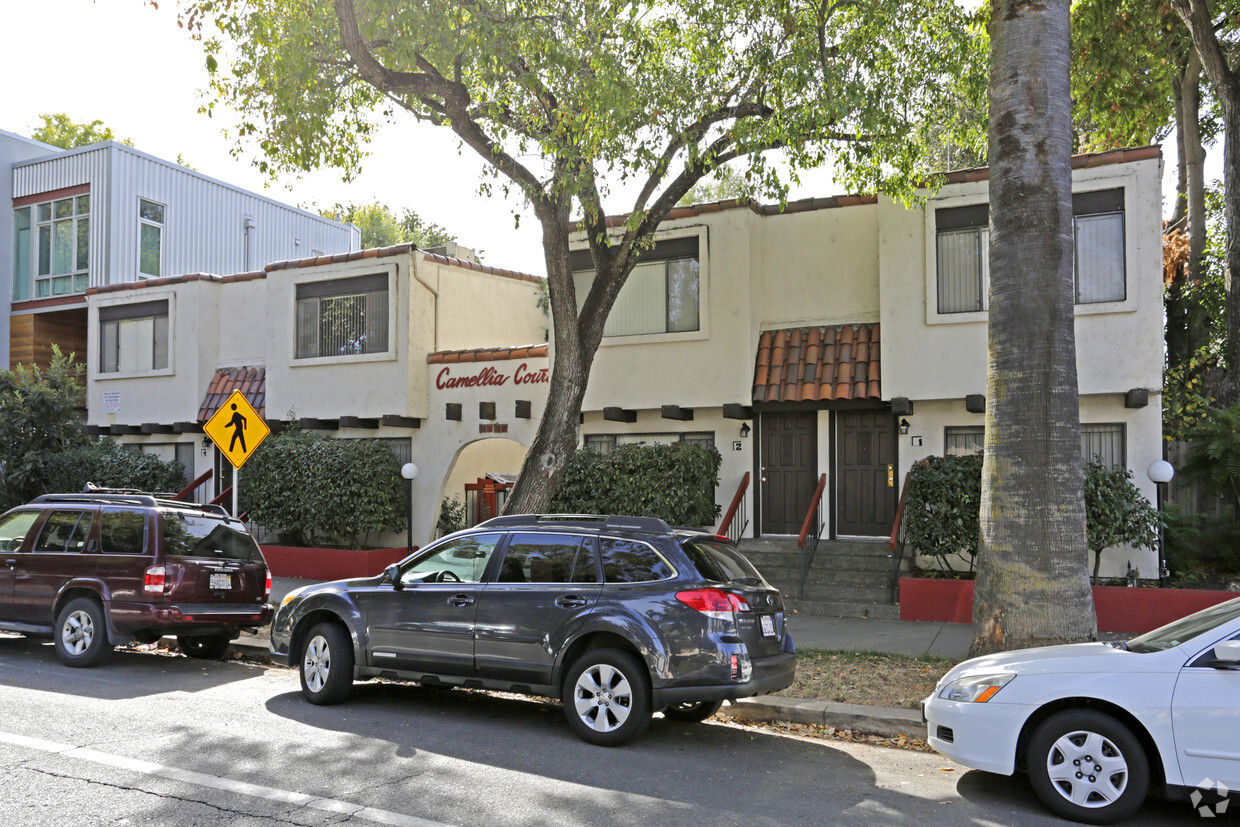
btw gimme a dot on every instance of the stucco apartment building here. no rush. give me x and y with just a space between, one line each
110 214
838 339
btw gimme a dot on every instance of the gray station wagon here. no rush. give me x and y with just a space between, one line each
618 617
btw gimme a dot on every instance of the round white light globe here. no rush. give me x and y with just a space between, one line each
1160 471
409 470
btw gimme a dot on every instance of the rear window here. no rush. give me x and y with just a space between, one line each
123 531
720 562
630 561
196 535
548 558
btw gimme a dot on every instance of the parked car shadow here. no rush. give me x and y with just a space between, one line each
128 673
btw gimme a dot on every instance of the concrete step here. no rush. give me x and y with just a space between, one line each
842 594
878 611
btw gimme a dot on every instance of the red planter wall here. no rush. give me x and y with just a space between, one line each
329 563
1120 609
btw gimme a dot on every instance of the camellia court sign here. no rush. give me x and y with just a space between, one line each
490 377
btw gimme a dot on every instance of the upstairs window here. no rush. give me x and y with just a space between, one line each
150 238
661 295
51 248
342 317
963 252
133 337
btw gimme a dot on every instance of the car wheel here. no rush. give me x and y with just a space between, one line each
204 647
1087 766
607 697
82 633
693 712
327 664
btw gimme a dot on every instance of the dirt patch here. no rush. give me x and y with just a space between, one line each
866 678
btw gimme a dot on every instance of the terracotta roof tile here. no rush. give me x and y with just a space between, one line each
486 354
251 381
816 364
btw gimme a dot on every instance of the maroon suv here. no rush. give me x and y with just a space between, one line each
96 570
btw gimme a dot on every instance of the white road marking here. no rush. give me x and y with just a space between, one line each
215 782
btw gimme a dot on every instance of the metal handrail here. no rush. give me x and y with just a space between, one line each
813 519
897 536
727 526
225 494
195 485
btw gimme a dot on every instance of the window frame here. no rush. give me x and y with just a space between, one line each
633 438
144 222
362 284
1116 430
113 315
29 276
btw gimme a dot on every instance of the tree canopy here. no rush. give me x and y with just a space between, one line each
381 227
59 130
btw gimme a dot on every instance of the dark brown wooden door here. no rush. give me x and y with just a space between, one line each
865 473
789 469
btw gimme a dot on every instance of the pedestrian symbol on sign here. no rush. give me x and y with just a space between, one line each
236 429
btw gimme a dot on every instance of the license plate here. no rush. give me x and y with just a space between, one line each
221 581
768 625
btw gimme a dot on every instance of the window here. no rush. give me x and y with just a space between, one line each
133 337
65 532
342 317
13 530
604 443
548 558
628 561
459 560
123 531
192 535
661 295
963 247
150 238
51 245
1105 440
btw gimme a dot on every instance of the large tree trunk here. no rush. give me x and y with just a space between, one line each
1226 84
1033 568
1186 318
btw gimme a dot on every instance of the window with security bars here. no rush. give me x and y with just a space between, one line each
963 252
1106 440
342 317
604 443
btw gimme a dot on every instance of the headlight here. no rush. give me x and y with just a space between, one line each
976 689
294 593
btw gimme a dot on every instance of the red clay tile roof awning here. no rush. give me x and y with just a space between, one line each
815 364
250 381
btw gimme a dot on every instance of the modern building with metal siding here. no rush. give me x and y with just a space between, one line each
120 202
14 149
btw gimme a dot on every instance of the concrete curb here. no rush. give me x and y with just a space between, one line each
889 722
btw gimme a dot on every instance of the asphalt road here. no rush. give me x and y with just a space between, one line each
151 739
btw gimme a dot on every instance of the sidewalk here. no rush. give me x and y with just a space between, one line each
904 637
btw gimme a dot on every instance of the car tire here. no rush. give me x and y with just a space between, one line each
693 712
326 664
82 633
203 647
607 697
1088 767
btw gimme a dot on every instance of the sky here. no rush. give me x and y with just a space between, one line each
128 65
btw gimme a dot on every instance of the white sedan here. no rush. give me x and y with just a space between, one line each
1097 725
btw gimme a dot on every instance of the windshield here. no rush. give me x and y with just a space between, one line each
721 563
1186 628
196 535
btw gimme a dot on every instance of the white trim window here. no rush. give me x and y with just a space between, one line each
604 443
133 337
51 245
962 241
1105 440
342 317
150 238
661 295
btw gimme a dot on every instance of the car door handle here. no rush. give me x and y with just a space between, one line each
11 563
460 600
570 601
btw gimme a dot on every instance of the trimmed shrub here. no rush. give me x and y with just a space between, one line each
673 482
108 465
317 491
942 506
1116 514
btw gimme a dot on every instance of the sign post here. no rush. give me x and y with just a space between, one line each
237 430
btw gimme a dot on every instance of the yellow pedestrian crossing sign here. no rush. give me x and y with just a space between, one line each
236 429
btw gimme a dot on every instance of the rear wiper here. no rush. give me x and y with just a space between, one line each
748 581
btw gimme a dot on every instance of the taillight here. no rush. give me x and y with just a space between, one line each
267 593
155 581
713 602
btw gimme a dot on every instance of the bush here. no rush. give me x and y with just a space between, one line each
1116 514
941 508
1201 546
108 465
451 516
319 490
673 482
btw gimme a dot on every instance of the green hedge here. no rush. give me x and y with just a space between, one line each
108 465
317 491
673 482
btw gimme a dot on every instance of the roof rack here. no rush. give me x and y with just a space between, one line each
105 496
651 524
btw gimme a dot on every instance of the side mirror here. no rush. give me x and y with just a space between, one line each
1228 652
392 573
